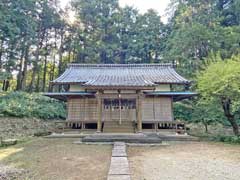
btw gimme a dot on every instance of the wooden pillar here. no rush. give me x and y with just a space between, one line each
110 109
120 107
99 112
139 112
86 106
155 127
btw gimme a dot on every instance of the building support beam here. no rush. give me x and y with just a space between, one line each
120 107
139 112
99 112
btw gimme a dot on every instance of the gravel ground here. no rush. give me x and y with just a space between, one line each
10 173
185 161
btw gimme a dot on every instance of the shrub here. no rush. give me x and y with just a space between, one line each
228 139
21 104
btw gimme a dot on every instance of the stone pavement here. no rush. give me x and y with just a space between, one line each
119 167
118 137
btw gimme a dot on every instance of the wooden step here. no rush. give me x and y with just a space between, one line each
114 126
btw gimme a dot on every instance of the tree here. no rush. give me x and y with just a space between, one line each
37 41
197 28
183 110
149 38
111 34
220 82
127 34
99 20
207 113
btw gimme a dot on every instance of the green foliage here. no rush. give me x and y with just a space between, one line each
37 40
221 79
200 27
228 139
20 104
5 75
199 111
112 34
183 110
207 113
220 82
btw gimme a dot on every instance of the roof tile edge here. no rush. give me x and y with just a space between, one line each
121 65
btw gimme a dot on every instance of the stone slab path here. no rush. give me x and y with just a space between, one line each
119 167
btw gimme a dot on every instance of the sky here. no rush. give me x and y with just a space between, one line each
142 6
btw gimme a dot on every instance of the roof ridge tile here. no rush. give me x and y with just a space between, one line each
120 65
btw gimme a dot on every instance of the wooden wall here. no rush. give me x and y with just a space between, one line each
157 109
153 109
82 109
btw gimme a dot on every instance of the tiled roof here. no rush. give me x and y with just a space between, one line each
120 75
174 94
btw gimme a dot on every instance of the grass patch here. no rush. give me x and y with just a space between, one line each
50 159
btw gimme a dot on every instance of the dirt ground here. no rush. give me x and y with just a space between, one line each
185 161
58 159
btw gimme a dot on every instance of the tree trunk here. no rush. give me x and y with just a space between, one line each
156 57
81 57
34 72
226 104
234 125
123 56
44 73
51 76
35 63
38 83
60 65
69 56
19 76
6 85
103 57
24 74
206 127
3 86
1 53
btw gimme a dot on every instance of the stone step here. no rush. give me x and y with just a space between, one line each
119 150
119 177
114 126
118 127
110 130
123 127
117 123
119 167
127 139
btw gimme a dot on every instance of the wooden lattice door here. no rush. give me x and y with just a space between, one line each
119 110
